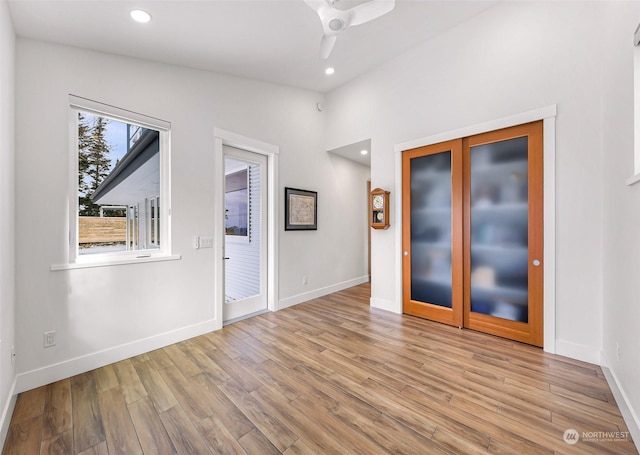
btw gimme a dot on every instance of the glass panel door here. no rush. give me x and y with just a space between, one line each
503 231
245 240
431 266
431 232
499 229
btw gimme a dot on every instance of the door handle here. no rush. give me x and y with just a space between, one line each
225 258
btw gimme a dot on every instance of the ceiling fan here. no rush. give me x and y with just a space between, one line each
336 20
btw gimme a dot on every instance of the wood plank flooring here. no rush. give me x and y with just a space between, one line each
329 376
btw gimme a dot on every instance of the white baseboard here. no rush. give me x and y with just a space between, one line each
320 292
7 413
51 373
580 352
629 414
384 304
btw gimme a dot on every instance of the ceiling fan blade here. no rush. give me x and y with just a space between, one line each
326 45
370 10
316 5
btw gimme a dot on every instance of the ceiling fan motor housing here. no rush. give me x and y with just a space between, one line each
336 24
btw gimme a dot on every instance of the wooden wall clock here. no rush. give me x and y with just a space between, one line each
379 203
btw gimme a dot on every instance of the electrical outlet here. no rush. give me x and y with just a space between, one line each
196 242
49 339
304 279
617 351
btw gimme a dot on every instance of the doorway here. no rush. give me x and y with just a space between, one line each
245 239
249 153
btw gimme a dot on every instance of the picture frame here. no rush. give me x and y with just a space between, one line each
300 210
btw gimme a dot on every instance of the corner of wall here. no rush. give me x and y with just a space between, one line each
320 292
7 413
629 414
51 373
580 352
384 304
7 226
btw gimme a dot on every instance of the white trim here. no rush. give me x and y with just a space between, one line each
577 351
7 413
547 114
384 304
218 220
223 137
321 292
51 373
549 201
246 316
245 143
505 122
636 113
633 180
140 259
397 307
629 415
122 115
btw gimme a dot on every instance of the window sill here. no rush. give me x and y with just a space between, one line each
121 261
633 180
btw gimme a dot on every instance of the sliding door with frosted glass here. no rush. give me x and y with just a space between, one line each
503 231
472 232
432 232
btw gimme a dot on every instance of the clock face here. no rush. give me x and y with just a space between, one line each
380 216
378 202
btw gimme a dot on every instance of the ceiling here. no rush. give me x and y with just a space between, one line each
354 151
271 40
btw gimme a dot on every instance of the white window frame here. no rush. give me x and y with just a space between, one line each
635 178
76 105
153 222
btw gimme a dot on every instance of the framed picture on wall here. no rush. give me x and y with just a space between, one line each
300 210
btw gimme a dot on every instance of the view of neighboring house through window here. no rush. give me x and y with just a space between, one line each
118 186
236 198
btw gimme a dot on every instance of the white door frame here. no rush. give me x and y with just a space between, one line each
224 137
548 116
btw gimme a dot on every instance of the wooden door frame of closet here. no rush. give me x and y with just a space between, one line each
453 315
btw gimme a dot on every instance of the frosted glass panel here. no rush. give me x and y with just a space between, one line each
431 229
499 229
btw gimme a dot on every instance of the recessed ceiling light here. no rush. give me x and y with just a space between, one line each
139 15
329 71
363 152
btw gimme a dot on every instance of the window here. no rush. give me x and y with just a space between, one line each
236 199
120 192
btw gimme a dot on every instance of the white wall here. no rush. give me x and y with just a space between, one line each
103 314
7 227
621 302
342 227
513 58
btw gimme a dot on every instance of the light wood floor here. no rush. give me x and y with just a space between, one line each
328 376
